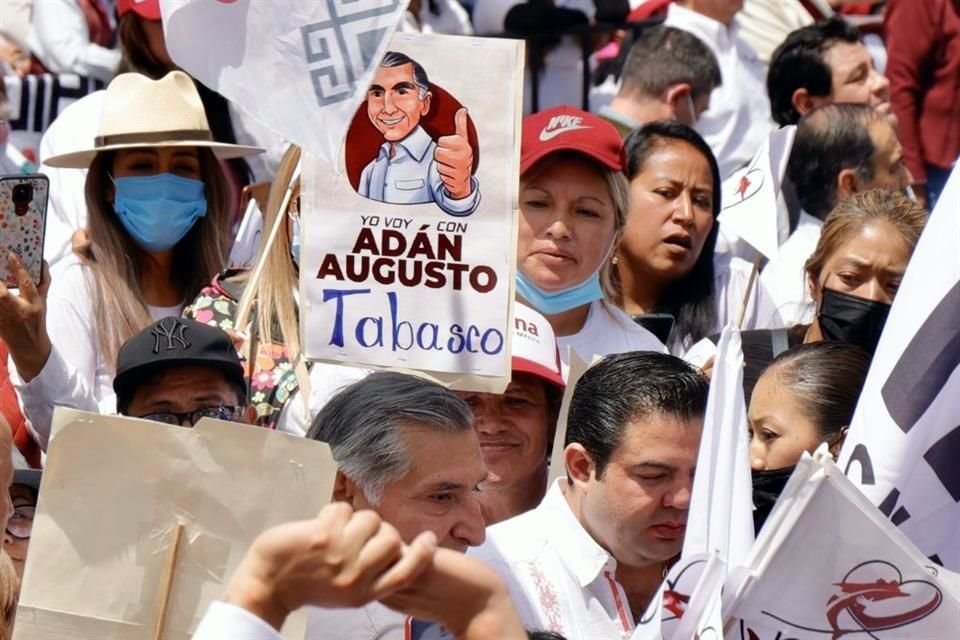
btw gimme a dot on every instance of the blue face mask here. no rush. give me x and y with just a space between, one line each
553 302
158 211
295 241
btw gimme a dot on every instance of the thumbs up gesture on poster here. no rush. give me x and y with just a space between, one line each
454 157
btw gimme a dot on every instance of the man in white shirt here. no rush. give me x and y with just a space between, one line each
410 166
839 150
669 75
588 560
406 448
738 119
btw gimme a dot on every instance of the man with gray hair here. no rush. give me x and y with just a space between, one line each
405 447
668 75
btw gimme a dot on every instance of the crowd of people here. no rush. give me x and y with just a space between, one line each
441 508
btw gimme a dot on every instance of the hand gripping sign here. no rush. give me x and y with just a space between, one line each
409 244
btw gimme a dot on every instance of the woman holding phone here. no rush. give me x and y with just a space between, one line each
157 202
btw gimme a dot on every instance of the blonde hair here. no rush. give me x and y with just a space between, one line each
619 190
859 211
9 594
276 308
114 257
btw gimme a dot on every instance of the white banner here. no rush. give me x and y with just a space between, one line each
719 530
298 67
409 245
829 565
904 444
753 209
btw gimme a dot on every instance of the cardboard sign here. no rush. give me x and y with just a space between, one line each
409 243
578 366
114 493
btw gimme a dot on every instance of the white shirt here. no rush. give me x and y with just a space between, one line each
411 176
60 38
731 276
224 620
373 622
326 380
76 374
558 577
785 278
608 330
73 130
738 119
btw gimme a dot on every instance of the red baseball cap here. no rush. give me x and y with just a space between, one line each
566 128
147 9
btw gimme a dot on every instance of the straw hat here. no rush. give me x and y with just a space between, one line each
140 112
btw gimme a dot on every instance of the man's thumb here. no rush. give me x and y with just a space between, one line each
460 120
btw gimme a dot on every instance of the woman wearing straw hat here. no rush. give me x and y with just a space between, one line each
157 207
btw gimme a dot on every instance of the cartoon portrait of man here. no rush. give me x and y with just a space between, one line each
411 167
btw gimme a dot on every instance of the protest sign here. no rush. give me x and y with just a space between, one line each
299 68
904 442
115 493
829 565
409 244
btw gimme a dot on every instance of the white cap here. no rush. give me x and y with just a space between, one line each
535 345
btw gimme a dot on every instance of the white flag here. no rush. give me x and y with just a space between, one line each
719 530
829 565
904 444
751 199
299 67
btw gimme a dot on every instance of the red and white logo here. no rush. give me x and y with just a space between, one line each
561 124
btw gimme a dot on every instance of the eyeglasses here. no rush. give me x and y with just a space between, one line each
20 523
192 417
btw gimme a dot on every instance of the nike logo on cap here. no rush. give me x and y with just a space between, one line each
560 124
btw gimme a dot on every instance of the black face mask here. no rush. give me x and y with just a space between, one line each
767 487
847 318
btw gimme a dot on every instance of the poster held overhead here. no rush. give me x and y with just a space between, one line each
409 244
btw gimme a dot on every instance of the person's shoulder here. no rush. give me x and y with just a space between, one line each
513 539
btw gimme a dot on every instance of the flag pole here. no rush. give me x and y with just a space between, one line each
746 296
169 572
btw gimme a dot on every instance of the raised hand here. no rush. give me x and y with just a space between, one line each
23 320
454 157
341 558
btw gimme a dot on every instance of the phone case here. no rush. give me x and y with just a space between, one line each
22 224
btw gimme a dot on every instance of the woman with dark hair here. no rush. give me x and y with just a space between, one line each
805 397
665 264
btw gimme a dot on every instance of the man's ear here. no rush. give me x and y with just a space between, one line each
676 96
579 464
802 101
847 184
343 488
425 109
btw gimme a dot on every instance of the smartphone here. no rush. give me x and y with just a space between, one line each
659 324
23 221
